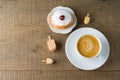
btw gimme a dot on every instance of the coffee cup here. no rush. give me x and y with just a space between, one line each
88 46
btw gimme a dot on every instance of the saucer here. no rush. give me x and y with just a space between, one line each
86 63
66 30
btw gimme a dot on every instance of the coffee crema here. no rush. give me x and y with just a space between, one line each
88 46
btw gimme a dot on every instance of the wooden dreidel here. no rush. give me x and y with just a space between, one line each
51 44
48 61
87 19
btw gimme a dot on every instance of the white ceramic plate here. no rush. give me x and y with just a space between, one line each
83 63
66 30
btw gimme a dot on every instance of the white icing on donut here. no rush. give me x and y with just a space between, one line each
56 18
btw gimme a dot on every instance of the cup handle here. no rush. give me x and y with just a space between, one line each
100 57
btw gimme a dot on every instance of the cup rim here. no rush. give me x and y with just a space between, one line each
98 51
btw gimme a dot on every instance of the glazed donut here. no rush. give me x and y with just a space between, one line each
61 19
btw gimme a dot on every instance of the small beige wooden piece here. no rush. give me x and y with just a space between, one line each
51 44
87 19
48 61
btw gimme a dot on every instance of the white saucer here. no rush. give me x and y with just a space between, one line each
66 30
84 63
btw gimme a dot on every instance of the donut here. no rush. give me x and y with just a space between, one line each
61 19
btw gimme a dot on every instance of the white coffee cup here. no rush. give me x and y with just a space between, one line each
97 55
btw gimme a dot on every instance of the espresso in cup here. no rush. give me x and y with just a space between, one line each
88 46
